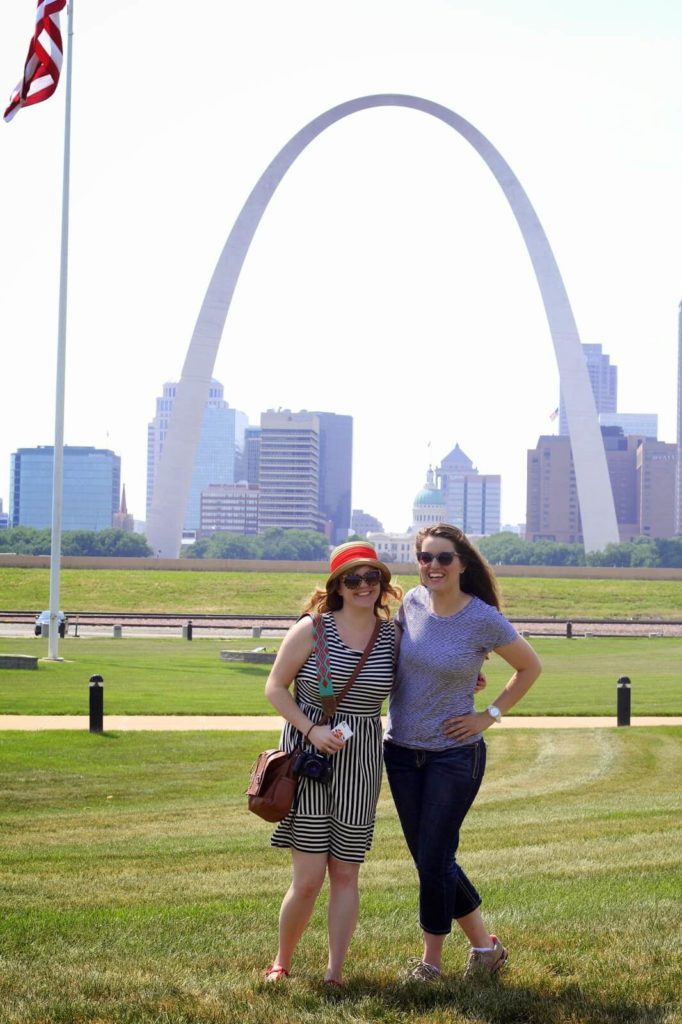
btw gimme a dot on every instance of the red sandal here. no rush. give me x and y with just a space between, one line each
276 972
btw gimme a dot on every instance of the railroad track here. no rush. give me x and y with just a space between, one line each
159 619
277 623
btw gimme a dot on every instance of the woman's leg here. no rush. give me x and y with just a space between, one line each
439 870
297 906
342 913
433 792
475 930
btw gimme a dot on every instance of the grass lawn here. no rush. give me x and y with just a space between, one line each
138 889
191 593
170 676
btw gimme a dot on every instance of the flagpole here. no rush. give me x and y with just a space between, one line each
58 468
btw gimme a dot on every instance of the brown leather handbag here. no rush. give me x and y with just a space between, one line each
272 784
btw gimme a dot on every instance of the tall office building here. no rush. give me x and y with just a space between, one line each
642 475
472 499
643 424
656 479
604 381
289 471
218 454
91 487
229 508
552 511
336 470
251 458
4 517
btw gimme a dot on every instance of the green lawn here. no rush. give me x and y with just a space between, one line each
191 593
171 676
137 889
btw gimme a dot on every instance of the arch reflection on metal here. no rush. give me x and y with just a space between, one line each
164 529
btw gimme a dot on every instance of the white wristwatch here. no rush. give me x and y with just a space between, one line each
494 712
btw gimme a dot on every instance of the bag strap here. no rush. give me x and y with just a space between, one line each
329 701
324 671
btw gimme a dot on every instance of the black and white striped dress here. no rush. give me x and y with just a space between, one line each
338 817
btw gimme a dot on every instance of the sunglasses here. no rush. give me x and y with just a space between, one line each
354 581
443 558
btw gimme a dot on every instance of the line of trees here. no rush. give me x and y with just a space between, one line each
25 540
274 544
510 549
277 544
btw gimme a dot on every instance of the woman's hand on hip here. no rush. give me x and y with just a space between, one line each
462 727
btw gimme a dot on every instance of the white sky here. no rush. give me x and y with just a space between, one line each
388 279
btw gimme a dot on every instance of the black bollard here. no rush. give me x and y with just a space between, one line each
623 700
96 704
189 630
569 630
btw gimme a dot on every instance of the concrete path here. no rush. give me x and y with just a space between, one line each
186 723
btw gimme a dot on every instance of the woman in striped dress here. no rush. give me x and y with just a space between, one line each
332 826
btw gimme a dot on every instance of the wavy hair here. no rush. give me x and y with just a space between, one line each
478 578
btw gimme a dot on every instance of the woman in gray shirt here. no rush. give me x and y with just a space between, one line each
434 750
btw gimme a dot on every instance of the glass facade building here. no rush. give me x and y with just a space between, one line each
336 470
91 487
472 499
219 453
604 380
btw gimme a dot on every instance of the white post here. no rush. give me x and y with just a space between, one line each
58 468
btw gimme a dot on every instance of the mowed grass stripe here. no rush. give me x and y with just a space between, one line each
170 676
160 904
250 593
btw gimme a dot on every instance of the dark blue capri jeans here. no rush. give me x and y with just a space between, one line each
432 791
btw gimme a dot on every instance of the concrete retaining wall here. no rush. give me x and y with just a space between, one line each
18 661
252 657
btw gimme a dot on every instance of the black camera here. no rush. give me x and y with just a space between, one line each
313 766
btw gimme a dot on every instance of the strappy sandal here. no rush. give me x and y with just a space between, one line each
276 972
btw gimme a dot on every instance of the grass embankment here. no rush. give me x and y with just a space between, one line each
171 676
137 888
283 593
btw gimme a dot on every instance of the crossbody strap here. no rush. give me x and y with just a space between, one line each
328 700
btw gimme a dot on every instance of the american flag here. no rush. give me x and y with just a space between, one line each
44 60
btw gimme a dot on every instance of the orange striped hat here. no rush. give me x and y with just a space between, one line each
352 555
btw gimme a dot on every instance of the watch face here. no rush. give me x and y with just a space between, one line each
494 711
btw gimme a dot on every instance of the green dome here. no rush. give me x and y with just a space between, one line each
429 496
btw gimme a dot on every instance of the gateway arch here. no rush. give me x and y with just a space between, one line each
174 474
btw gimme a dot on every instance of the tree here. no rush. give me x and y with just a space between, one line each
274 544
669 552
24 540
233 545
197 550
505 549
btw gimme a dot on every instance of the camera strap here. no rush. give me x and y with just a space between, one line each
327 699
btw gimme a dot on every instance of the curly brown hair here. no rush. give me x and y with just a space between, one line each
478 578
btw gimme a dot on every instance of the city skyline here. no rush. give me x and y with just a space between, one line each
438 270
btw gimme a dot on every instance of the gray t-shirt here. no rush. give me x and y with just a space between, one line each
440 658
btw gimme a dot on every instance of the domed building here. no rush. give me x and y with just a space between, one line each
429 504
